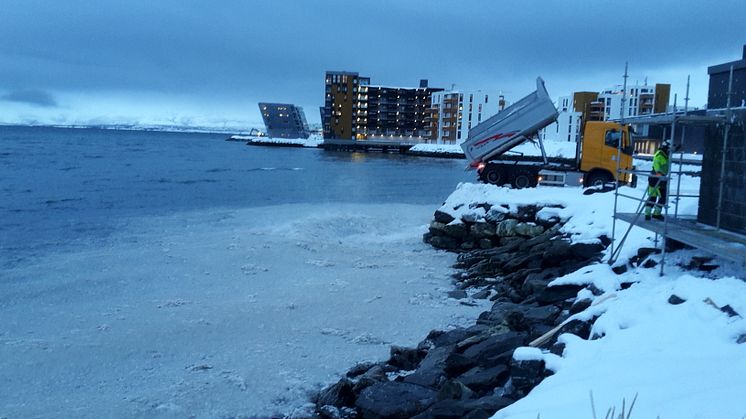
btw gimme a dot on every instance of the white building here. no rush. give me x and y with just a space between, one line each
567 125
455 112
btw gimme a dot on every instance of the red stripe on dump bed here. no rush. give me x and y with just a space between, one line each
494 137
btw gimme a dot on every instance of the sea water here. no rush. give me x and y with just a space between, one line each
167 274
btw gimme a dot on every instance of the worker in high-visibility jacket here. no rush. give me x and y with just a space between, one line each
657 184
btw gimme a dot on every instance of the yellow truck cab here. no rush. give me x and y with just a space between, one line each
600 150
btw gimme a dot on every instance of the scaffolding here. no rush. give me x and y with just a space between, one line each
675 226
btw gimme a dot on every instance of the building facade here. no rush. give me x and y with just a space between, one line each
569 121
398 111
717 97
355 109
453 113
284 120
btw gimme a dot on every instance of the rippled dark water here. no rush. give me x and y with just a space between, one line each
63 188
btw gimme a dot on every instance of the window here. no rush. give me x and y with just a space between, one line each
471 98
486 98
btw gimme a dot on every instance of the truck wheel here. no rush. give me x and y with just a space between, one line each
493 175
597 179
523 179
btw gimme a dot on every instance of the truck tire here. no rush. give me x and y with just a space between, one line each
523 179
597 178
493 174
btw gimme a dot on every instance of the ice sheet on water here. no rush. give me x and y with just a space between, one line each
246 310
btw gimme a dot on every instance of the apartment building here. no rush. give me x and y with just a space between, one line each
640 100
398 111
454 112
284 120
355 109
344 113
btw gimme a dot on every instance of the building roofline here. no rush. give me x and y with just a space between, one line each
725 67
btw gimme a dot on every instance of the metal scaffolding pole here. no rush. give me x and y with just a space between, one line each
728 118
618 158
681 155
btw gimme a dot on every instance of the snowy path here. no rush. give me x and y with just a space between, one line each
219 313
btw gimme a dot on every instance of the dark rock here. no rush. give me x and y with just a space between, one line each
444 242
486 244
558 348
741 339
527 317
451 337
481 379
625 285
454 390
394 400
674 245
427 237
527 213
493 349
528 229
620 269
675 299
431 370
595 290
580 305
468 245
466 409
558 293
472 217
525 375
556 254
457 294
329 412
579 328
605 240
644 252
372 376
727 309
586 250
456 230
361 368
496 214
534 285
338 395
506 228
443 217
482 230
482 295
457 364
405 358
649 263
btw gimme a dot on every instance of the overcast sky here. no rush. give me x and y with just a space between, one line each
210 62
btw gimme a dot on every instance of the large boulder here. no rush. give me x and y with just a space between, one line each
432 369
338 395
393 400
482 379
506 228
483 230
495 349
443 217
481 408
525 375
444 242
528 229
456 230
557 293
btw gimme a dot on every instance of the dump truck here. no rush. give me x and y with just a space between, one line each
489 148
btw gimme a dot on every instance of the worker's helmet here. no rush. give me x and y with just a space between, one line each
666 146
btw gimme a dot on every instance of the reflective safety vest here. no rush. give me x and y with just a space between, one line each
660 163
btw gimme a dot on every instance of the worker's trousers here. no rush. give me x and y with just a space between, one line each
656 196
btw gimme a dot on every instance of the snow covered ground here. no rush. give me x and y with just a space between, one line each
220 313
312 141
681 361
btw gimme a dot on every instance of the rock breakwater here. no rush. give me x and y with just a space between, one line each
510 255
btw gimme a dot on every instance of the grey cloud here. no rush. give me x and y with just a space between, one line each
31 97
278 51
